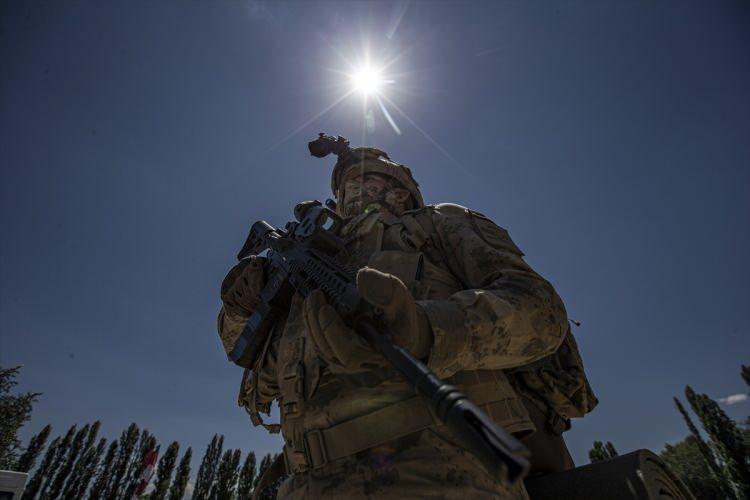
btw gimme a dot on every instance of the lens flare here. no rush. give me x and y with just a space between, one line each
367 80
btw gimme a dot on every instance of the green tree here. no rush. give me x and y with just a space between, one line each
146 444
36 481
709 459
601 452
745 430
164 471
104 472
15 411
36 444
727 440
247 477
88 469
87 449
58 462
68 461
687 461
207 469
745 427
128 442
265 462
269 492
177 490
225 484
92 435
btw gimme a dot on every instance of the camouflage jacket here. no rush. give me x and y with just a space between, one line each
500 333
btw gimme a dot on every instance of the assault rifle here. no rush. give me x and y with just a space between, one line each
305 256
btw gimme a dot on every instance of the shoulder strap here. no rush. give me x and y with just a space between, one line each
424 237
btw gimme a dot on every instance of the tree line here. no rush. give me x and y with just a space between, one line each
81 465
77 465
713 468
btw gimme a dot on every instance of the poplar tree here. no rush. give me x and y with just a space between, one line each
104 473
36 444
93 434
265 463
164 472
128 441
57 463
15 410
270 491
602 451
35 483
207 469
235 470
177 490
80 465
745 372
68 461
247 477
146 444
726 437
705 451
225 484
88 469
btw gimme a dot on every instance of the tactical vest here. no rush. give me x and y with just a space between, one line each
325 418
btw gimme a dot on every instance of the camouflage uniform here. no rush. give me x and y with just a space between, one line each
500 334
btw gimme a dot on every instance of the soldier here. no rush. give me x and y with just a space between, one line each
456 292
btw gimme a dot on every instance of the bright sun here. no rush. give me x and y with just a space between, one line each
367 80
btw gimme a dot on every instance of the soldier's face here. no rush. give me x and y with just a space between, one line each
373 190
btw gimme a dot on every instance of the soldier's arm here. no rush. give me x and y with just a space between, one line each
259 390
239 294
507 316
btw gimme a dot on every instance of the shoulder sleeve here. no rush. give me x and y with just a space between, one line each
260 387
229 328
507 316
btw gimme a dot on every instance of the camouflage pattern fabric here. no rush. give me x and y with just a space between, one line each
490 314
412 472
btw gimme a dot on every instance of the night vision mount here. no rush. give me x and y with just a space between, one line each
327 144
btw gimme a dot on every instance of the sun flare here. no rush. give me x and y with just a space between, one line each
367 80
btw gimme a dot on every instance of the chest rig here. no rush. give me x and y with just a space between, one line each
369 242
323 417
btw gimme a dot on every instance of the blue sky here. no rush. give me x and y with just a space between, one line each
139 141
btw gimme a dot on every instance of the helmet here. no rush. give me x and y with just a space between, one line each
353 163
360 161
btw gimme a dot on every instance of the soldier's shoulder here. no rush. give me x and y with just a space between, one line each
442 210
455 219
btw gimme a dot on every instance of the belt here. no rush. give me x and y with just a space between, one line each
323 446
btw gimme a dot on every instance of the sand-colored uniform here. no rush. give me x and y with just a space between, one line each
366 435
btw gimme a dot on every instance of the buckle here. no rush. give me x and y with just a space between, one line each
315 449
295 461
557 424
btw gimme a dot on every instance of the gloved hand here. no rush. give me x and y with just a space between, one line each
240 288
343 349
